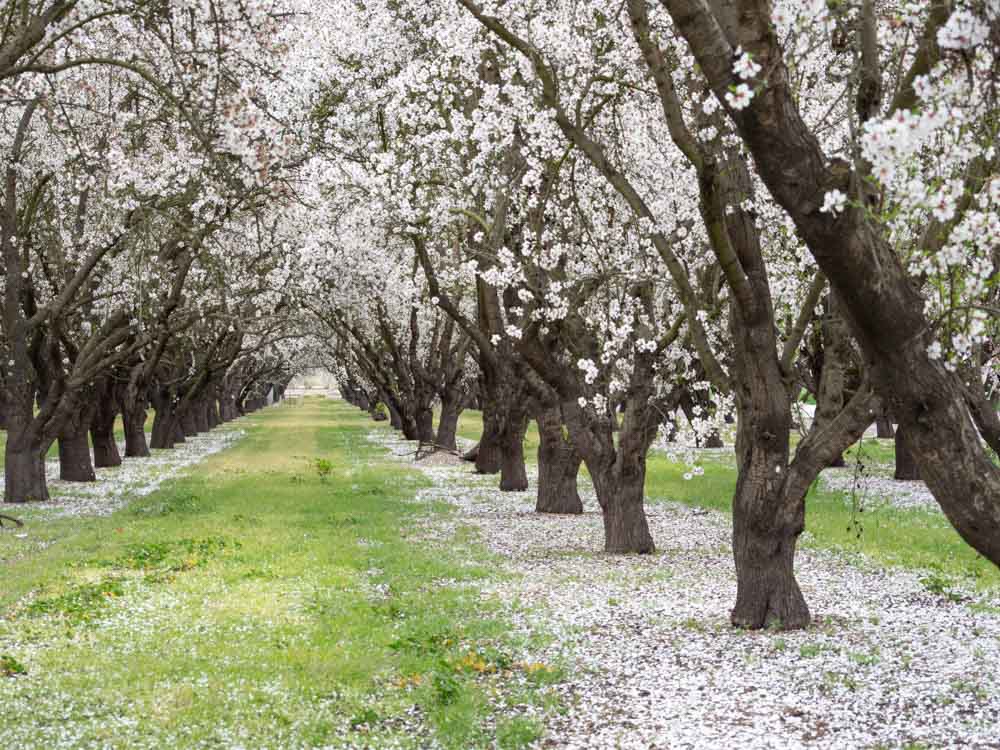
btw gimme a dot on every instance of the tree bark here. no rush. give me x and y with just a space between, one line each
513 473
906 461
189 420
558 467
488 450
200 409
425 424
179 435
620 489
24 463
75 464
134 422
164 433
883 428
102 431
448 423
395 418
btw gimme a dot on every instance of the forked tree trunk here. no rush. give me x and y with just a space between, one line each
558 467
179 435
906 461
102 433
448 423
886 310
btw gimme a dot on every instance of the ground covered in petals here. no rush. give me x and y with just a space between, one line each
896 658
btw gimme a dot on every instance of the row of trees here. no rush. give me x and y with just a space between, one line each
148 165
632 222
639 222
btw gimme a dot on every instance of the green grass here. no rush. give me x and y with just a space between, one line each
913 539
269 599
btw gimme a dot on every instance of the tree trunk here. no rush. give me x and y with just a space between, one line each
620 495
906 461
558 466
425 424
200 410
134 422
836 353
513 474
212 412
102 432
883 428
448 423
189 420
163 422
75 464
395 418
488 450
178 427
24 464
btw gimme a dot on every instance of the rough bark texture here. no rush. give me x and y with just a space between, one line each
513 473
75 461
189 420
558 467
767 520
164 421
134 423
487 456
24 465
75 464
883 428
425 425
448 423
102 433
102 425
906 461
619 489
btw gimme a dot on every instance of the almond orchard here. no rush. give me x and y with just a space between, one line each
672 329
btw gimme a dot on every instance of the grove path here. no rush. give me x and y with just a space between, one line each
655 664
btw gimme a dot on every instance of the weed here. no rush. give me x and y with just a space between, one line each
446 688
323 468
11 667
518 732
81 603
